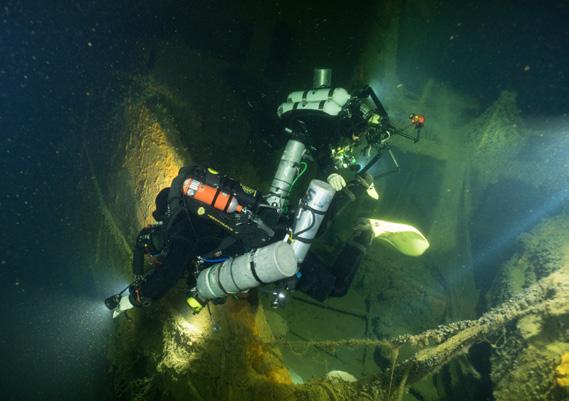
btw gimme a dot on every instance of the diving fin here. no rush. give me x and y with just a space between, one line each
405 238
123 305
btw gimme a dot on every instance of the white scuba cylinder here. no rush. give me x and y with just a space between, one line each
329 107
311 211
286 172
340 96
265 265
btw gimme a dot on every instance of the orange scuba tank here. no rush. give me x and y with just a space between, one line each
211 196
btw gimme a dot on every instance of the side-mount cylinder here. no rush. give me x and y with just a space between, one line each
261 266
311 211
286 172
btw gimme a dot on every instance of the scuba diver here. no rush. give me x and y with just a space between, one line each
336 130
237 239
203 217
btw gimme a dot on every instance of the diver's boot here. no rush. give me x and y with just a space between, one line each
123 305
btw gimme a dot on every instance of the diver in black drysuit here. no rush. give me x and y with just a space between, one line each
183 236
173 246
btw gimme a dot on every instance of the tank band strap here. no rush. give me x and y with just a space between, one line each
253 270
304 240
278 179
215 197
219 278
315 211
239 289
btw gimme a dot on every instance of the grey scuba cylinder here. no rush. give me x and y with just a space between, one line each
322 78
311 211
286 172
264 265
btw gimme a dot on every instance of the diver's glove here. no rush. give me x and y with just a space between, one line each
337 181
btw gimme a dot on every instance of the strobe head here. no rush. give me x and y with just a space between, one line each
322 78
113 301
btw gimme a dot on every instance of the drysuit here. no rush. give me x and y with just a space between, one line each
187 229
181 242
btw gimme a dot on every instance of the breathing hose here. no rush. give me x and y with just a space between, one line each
300 174
304 168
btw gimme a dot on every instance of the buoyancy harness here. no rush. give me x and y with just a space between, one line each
236 208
